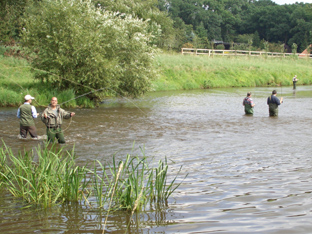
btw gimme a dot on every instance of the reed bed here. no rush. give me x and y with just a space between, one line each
49 176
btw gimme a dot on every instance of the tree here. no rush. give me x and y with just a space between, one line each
301 24
85 48
10 19
256 40
146 10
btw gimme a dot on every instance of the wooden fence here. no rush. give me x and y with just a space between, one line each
211 52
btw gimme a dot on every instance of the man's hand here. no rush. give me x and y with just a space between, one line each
45 115
72 114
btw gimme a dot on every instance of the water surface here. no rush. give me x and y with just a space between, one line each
246 174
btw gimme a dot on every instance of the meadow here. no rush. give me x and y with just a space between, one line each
175 72
185 72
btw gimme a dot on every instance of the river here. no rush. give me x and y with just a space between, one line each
246 174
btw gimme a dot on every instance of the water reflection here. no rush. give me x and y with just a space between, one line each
247 174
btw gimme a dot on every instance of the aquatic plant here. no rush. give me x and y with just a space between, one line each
44 177
48 175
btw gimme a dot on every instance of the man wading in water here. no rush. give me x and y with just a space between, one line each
249 104
27 113
273 103
53 118
294 81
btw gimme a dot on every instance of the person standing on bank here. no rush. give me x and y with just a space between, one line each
273 103
249 104
52 117
295 81
27 113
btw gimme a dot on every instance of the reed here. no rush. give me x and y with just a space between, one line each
160 190
48 175
45 177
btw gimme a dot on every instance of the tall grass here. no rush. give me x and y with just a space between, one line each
178 71
49 176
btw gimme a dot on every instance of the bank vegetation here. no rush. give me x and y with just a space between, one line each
174 72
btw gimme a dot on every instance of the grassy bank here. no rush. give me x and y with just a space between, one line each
194 72
17 80
176 72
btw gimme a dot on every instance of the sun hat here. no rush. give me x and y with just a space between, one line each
28 97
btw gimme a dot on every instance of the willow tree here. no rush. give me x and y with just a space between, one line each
75 45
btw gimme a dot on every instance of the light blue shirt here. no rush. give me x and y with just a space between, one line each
33 111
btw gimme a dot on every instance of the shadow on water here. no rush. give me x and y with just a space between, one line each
247 174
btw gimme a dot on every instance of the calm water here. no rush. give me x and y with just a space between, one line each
246 174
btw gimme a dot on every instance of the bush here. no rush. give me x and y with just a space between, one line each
84 48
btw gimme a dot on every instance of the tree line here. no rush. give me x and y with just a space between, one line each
91 45
197 23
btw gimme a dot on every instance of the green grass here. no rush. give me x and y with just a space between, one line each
49 176
17 80
176 72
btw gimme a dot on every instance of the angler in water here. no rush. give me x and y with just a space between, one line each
273 103
27 113
248 104
52 117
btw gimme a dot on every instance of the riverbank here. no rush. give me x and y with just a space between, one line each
176 72
179 72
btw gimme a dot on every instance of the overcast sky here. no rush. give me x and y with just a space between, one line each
282 2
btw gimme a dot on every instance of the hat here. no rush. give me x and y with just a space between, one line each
28 97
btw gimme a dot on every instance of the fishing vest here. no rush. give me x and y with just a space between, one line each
26 115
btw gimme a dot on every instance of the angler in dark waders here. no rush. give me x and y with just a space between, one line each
248 104
294 81
27 113
52 117
273 103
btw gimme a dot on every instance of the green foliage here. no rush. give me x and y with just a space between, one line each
54 178
49 176
180 72
147 11
10 20
85 48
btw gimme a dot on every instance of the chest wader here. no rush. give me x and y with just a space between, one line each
248 109
273 109
55 131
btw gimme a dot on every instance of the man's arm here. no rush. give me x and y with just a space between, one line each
34 112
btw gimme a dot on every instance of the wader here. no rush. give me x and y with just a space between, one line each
248 109
55 132
273 109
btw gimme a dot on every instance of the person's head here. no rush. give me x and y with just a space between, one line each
248 94
53 102
274 92
28 98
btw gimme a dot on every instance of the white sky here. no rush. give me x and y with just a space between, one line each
282 2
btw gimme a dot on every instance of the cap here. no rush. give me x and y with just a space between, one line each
28 97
